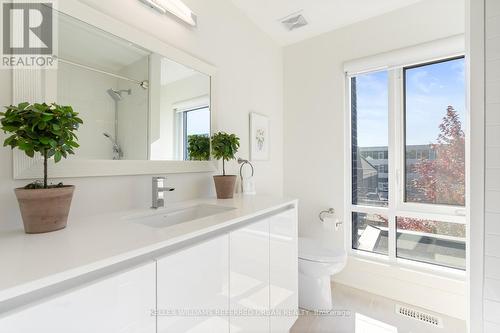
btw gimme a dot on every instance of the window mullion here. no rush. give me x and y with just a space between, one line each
394 156
348 170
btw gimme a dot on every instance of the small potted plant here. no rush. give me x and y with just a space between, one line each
199 147
46 129
224 147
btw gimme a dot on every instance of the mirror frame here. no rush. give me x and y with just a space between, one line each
33 84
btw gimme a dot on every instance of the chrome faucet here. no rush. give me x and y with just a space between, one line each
159 190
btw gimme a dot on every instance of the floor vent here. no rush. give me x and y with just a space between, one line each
419 315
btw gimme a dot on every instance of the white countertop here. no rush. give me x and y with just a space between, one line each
31 262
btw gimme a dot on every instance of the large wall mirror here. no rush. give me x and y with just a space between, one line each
138 104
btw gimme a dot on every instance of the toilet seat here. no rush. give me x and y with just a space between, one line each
311 250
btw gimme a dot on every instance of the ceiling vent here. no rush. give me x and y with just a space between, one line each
294 21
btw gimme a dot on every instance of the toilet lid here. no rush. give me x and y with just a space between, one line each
310 249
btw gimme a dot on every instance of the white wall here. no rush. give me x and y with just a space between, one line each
475 32
492 195
314 136
249 79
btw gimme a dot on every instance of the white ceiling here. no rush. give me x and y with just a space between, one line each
322 15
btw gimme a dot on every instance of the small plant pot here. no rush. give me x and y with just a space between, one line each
224 186
44 210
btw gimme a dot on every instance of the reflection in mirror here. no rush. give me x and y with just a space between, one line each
180 123
137 105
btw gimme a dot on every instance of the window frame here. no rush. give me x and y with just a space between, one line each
400 119
396 178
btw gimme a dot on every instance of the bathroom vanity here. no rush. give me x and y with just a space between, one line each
232 271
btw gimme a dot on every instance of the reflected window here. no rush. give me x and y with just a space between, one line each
196 134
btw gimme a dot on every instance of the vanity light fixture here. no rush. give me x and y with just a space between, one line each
174 7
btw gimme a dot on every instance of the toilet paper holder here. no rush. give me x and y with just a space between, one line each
329 212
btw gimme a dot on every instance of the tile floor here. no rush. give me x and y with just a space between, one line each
362 312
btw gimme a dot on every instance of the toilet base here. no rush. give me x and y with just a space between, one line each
315 293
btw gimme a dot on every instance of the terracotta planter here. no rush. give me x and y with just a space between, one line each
224 186
44 210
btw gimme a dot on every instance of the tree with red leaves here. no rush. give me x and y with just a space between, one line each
442 180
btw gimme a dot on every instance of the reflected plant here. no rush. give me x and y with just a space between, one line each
199 147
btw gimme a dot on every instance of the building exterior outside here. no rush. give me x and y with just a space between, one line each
373 167
372 188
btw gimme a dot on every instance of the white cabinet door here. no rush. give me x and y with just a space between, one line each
284 270
192 289
122 303
249 282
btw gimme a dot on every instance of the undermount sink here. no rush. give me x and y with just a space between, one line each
167 218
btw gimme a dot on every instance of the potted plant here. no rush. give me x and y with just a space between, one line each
224 147
199 147
46 129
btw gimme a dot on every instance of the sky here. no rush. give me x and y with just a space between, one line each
198 122
372 109
429 91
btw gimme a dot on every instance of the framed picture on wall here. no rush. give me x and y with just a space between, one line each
259 137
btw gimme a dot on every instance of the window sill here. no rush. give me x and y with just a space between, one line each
410 265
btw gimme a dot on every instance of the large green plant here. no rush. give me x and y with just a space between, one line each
224 147
47 129
199 147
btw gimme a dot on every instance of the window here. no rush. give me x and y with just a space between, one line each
369 127
416 236
370 233
408 179
434 115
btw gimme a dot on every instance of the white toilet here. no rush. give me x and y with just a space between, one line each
316 265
